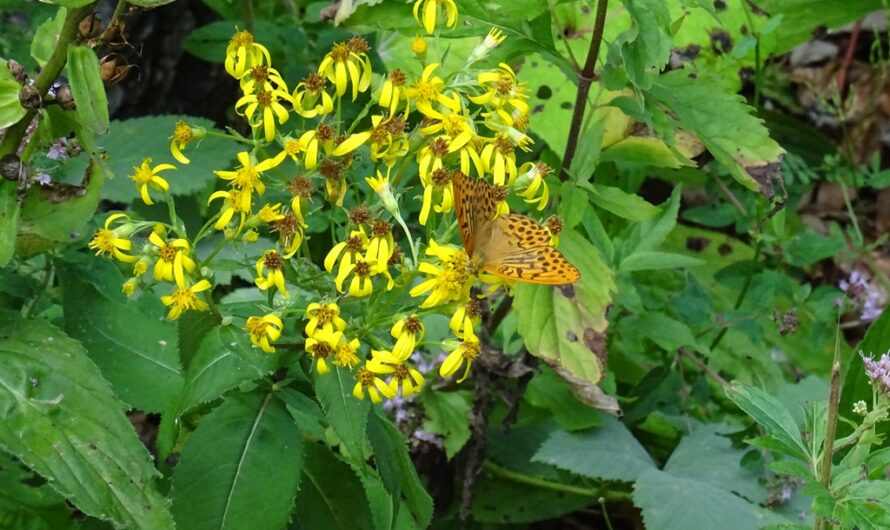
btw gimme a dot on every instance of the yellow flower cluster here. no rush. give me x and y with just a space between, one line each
473 121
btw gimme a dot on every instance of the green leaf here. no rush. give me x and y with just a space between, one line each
449 416
209 41
305 411
11 109
348 416
148 4
330 496
71 3
60 417
706 456
654 260
772 415
87 88
27 502
45 37
608 452
552 96
856 385
702 105
547 390
53 215
152 136
800 18
668 333
669 502
9 220
648 234
646 46
628 206
240 468
224 360
563 325
380 502
508 503
137 352
808 247
397 470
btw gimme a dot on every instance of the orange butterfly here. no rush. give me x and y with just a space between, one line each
512 246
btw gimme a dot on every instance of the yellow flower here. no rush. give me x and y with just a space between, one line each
114 242
324 316
388 140
418 46
147 177
465 317
502 90
453 121
242 53
362 271
430 12
407 331
380 185
430 157
490 42
185 299
447 282
247 176
311 99
393 92
536 191
129 287
262 78
464 353
321 345
427 90
173 259
408 378
272 263
366 380
346 251
499 159
345 353
270 213
290 233
236 201
264 329
183 134
266 102
441 188
381 246
348 63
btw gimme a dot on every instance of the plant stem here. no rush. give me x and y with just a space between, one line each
247 7
846 193
47 77
227 136
529 480
740 299
49 275
585 79
834 397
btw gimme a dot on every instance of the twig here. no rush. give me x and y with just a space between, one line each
740 298
473 453
704 367
585 79
848 59
834 398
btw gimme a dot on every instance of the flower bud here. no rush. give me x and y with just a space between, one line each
418 46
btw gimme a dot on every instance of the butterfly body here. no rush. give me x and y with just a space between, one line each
511 246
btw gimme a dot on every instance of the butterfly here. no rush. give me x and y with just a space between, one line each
511 246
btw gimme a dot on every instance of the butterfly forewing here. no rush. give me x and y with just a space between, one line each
475 205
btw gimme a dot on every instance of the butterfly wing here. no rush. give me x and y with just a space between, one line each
518 248
475 206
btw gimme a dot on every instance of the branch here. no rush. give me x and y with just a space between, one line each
585 79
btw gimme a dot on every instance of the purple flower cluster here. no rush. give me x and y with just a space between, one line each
862 291
878 371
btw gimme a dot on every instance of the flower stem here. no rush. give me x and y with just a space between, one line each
585 79
529 480
234 137
834 397
410 239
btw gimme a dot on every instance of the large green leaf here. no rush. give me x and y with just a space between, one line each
138 138
87 88
11 109
60 417
646 46
348 416
509 503
856 385
565 325
669 502
773 416
449 417
702 105
240 468
27 502
331 496
136 351
9 220
606 452
53 215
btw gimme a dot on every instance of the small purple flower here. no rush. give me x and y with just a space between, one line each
426 367
878 371
43 179
398 406
423 436
863 293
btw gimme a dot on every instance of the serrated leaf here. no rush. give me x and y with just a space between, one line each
397 470
152 136
27 502
705 107
449 417
9 220
564 325
772 415
607 452
305 411
52 216
348 416
59 416
87 88
654 260
224 360
508 503
330 496
551 392
669 502
240 468
646 46
617 201
137 352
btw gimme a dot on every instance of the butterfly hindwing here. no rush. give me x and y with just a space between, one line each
519 248
475 205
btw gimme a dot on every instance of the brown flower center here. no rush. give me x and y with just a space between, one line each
358 45
272 261
381 228
413 325
354 244
397 77
441 176
340 52
439 147
314 82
